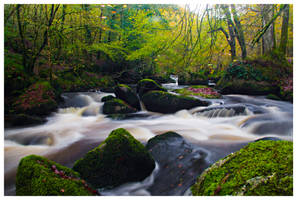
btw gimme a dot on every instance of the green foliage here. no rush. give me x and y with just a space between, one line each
38 176
117 160
261 168
246 71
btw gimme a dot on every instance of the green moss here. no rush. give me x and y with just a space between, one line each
273 97
125 93
119 159
146 85
117 106
107 98
260 168
164 102
36 176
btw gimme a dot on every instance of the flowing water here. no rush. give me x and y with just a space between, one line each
79 125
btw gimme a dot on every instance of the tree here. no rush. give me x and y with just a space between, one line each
284 33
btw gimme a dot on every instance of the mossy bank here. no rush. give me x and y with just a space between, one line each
261 168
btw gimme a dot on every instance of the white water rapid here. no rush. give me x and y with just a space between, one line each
79 126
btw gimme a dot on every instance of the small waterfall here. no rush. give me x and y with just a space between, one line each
220 112
174 77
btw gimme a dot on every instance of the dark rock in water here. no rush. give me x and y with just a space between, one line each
24 120
107 98
261 168
38 176
268 138
125 93
117 106
117 160
164 102
129 116
180 163
223 111
146 85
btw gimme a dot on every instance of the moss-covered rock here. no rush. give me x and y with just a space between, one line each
125 93
261 168
38 176
164 102
38 99
117 160
146 85
249 87
23 120
107 98
273 97
117 106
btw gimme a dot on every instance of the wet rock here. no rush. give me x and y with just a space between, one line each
125 93
129 116
164 102
24 120
38 176
117 106
117 160
268 138
107 98
180 163
146 85
261 168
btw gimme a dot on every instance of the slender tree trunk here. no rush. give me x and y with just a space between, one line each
284 33
231 40
21 33
239 32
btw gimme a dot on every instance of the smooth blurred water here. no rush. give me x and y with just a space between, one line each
79 125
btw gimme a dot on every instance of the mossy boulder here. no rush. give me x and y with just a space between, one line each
107 98
273 97
164 102
117 160
261 168
249 87
146 85
125 93
117 106
23 120
38 176
38 99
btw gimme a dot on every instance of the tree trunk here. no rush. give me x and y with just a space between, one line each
268 37
284 33
231 40
239 32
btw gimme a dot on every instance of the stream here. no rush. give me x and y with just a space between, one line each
211 132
